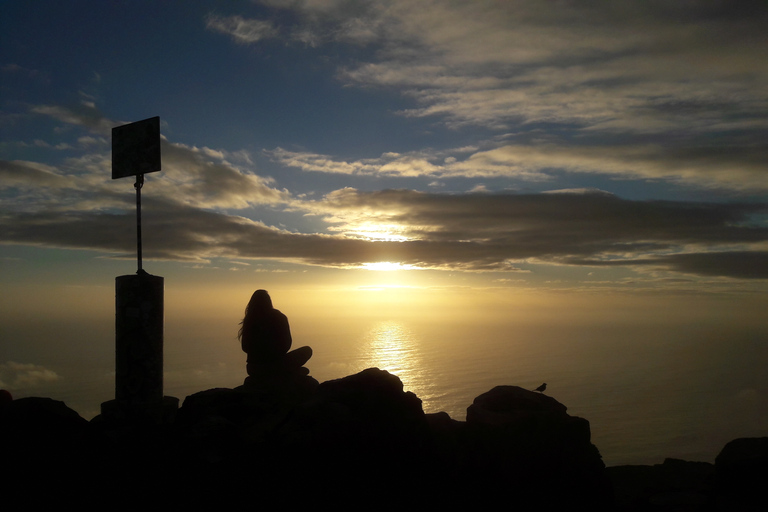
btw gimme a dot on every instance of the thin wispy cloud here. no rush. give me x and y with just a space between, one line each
25 376
701 166
85 114
686 78
633 66
241 29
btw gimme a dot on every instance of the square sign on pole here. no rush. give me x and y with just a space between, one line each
135 152
136 148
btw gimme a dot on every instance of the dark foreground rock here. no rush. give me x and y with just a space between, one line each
515 435
742 473
735 482
360 441
674 485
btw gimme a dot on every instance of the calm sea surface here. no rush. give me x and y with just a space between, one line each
648 392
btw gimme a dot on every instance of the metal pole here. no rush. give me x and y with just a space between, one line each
139 183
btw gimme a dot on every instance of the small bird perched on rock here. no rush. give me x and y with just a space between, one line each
541 388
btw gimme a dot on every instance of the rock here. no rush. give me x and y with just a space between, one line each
373 394
48 449
355 437
526 439
358 439
507 403
674 485
161 411
286 387
41 428
515 408
363 415
742 470
236 405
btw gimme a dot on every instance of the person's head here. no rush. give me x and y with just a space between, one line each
260 302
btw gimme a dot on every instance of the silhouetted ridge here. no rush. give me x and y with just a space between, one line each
358 441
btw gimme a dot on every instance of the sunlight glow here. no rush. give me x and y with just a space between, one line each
380 232
386 266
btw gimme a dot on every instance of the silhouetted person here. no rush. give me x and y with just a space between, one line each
541 388
266 337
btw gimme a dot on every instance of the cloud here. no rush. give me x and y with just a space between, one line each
84 114
737 264
634 89
581 217
15 375
203 177
474 232
388 164
241 29
31 174
190 176
672 90
31 187
317 163
712 166
359 22
490 231
495 63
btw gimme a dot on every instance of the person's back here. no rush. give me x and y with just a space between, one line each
265 336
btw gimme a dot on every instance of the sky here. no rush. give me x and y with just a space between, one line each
517 153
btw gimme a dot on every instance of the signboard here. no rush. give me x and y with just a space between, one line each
136 148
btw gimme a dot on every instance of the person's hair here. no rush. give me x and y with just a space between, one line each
259 303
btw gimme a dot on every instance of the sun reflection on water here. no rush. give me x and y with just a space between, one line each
391 346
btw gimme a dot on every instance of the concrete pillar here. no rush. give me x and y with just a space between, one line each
139 317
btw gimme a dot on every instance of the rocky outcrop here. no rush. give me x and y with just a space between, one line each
357 441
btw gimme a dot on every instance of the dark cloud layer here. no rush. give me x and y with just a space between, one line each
738 264
461 232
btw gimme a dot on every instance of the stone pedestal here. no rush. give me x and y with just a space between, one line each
139 318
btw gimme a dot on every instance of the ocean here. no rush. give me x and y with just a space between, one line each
649 390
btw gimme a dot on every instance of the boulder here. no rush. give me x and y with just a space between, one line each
526 440
372 394
363 415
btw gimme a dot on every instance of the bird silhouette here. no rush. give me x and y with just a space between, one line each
541 388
